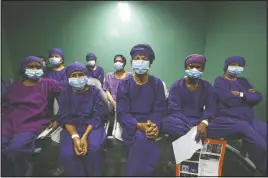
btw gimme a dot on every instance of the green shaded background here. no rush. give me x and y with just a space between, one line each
173 29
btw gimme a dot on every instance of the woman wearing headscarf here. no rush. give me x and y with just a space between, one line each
140 106
234 114
94 70
112 79
81 116
57 72
26 113
191 101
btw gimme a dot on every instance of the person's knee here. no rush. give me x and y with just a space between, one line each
67 153
95 147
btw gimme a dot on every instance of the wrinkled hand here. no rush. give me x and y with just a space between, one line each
77 146
84 145
201 132
54 125
236 93
252 90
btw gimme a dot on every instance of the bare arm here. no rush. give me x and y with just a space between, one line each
110 98
88 130
71 129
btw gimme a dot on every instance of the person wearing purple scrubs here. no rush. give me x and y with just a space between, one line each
140 106
191 101
57 72
94 70
26 114
81 114
112 79
234 114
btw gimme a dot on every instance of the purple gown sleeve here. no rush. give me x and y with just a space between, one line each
174 105
98 110
124 117
106 84
251 98
64 115
55 89
224 93
159 107
210 102
102 75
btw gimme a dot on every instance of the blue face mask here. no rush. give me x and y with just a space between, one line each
55 61
235 70
194 73
118 66
78 83
140 66
34 74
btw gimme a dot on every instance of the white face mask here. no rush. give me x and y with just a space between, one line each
235 70
140 66
118 66
91 63
55 61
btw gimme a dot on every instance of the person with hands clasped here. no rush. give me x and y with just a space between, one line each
140 106
81 113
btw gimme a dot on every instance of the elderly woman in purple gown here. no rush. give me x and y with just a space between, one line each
81 115
57 72
112 79
94 70
235 116
26 113
140 106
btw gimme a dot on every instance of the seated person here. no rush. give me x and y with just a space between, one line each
4 85
57 72
26 114
235 116
140 106
94 70
112 79
186 101
81 116
43 59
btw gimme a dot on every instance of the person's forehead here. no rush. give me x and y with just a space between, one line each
195 64
234 63
55 55
118 58
140 57
33 63
77 72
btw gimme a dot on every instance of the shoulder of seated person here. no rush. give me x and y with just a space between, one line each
206 82
220 78
242 79
109 74
48 80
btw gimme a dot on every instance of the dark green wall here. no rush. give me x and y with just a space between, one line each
239 28
174 29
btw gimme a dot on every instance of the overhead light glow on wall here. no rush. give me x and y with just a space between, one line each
124 11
